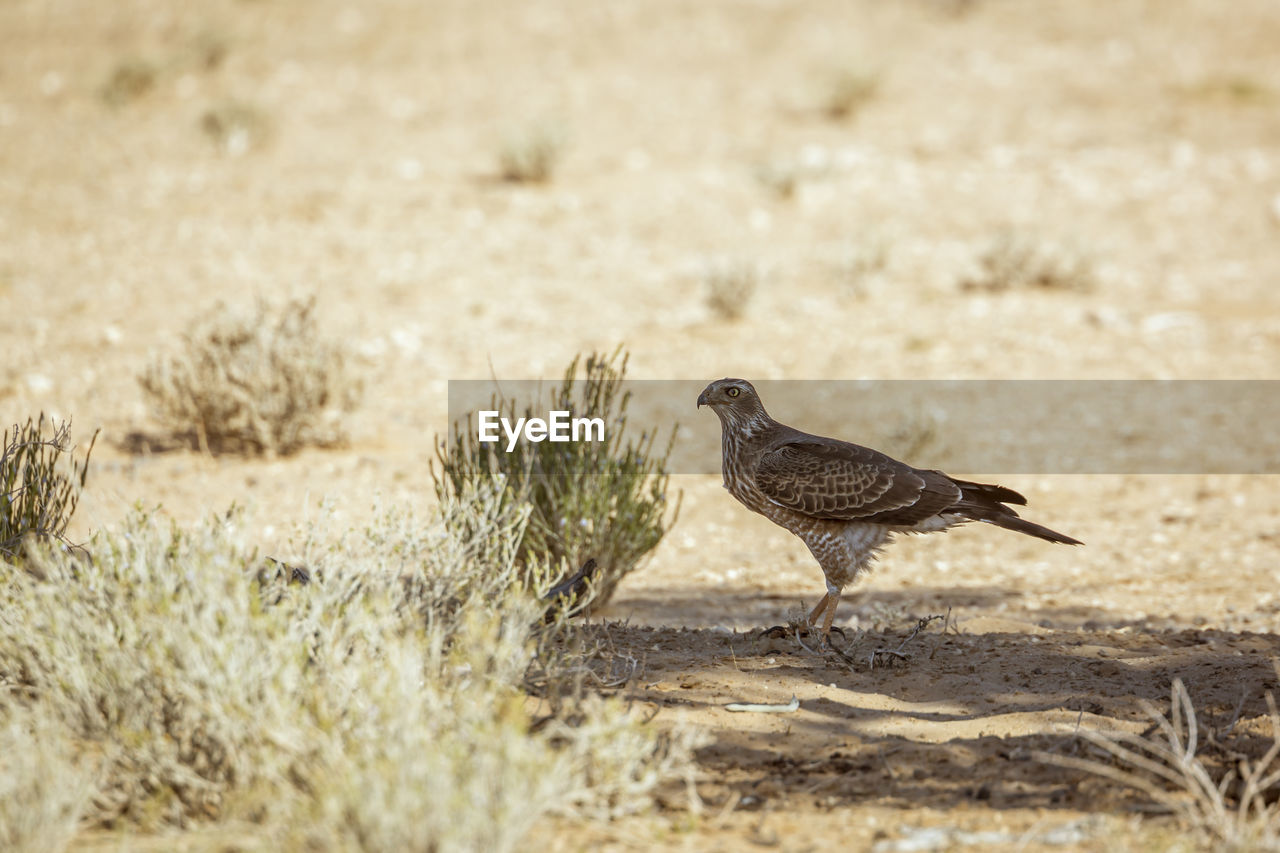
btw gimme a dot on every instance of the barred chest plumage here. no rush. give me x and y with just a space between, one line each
736 463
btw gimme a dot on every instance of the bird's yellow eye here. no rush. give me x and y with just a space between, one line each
733 392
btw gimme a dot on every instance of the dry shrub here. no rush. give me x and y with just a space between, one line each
236 127
261 382
40 483
375 707
605 500
1238 812
847 90
730 286
1016 262
531 154
129 80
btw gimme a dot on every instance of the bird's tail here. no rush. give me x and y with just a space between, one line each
983 502
1021 525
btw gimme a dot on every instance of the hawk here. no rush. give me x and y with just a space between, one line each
844 501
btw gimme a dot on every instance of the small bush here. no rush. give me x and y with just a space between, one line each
530 155
730 286
847 90
40 483
235 127
602 499
1015 262
780 176
265 382
376 707
860 261
1236 812
128 81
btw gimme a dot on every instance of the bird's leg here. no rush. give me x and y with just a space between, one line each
777 632
817 611
833 601
827 606
827 609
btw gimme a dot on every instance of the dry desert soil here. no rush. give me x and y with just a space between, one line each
159 158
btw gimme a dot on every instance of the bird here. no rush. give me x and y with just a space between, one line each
844 501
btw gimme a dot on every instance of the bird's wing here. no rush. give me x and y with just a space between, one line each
824 478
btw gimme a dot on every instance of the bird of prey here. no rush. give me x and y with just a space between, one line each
844 501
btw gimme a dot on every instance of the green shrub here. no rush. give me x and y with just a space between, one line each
264 382
40 483
587 499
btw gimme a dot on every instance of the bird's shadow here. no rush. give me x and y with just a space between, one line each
961 717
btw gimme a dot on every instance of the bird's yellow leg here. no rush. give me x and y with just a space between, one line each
817 611
834 600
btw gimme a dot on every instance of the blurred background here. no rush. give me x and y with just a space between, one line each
801 190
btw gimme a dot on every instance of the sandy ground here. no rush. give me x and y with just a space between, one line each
360 165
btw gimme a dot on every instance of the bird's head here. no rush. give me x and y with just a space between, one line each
732 400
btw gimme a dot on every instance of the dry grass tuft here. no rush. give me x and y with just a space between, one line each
730 286
846 91
235 127
1016 262
129 81
531 154
264 382
40 483
1239 812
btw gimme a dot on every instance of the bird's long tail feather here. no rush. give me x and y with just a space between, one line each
1021 525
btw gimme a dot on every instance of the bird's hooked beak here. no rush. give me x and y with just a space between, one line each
702 400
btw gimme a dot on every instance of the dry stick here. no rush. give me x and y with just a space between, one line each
942 636
898 653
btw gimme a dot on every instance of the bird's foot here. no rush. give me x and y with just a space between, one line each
800 632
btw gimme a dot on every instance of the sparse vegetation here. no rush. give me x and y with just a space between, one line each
1235 89
730 285
779 176
861 259
260 382
846 91
1013 261
128 81
376 707
602 499
1237 812
531 154
40 483
235 127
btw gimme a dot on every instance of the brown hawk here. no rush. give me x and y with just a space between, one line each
844 501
